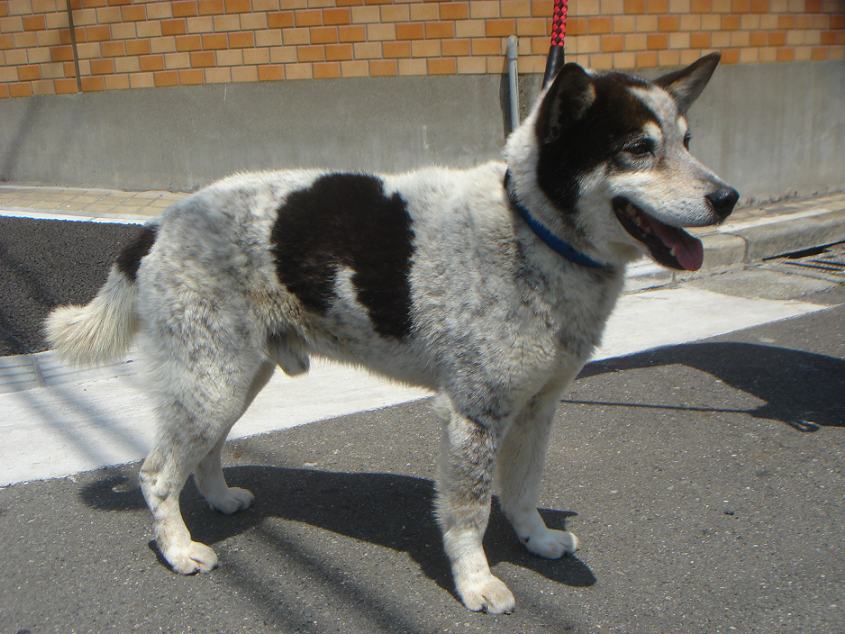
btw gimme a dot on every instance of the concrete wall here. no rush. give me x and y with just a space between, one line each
772 130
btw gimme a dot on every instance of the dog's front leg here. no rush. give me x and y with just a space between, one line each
464 486
520 467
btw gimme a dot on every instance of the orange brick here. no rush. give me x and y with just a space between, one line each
241 39
165 78
271 72
237 6
381 32
516 8
499 28
188 43
296 36
210 7
425 48
367 50
93 84
410 31
424 11
612 43
323 35
756 38
311 53
181 10
672 22
458 48
740 6
279 20
600 25
102 66
777 38
730 56
112 49
137 47
701 6
785 54
298 71
65 86
151 62
700 40
20 90
191 77
133 13
441 30
214 41
634 6
657 41
94 34
396 49
454 11
819 53
202 59
29 73
383 68
730 22
218 75
61 54
442 66
338 52
657 6
173 27
308 18
486 47
352 33
327 70
34 22
336 16
4 91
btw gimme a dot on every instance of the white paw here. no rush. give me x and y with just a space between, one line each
196 557
486 593
551 544
234 500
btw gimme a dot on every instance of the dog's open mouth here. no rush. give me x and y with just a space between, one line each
671 246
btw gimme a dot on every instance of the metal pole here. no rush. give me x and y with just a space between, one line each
513 82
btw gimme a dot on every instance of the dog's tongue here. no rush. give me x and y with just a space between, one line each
688 250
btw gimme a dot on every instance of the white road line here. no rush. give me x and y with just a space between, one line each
57 214
77 422
768 220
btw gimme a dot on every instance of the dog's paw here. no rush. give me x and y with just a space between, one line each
551 544
195 557
487 593
235 499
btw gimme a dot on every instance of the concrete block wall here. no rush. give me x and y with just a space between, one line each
127 44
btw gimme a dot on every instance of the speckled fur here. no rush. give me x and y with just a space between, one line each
499 325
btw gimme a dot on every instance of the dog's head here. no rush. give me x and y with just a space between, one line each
609 155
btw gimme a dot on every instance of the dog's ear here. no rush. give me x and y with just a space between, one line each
685 85
567 100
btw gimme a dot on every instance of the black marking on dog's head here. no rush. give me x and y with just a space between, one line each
130 258
346 220
583 122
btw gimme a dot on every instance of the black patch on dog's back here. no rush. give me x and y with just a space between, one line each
346 220
130 258
614 116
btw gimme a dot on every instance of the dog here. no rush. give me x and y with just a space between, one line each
490 286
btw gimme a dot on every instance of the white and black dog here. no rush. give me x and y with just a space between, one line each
491 286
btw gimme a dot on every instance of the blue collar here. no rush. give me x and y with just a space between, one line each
557 245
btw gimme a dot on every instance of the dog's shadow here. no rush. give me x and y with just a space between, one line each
394 511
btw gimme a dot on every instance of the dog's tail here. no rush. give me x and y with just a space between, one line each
102 330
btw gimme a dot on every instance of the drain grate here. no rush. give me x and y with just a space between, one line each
827 262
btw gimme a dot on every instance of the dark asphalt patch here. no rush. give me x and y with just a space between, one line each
46 263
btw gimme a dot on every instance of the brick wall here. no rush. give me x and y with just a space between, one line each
124 44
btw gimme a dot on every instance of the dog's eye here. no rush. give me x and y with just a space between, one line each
687 139
641 147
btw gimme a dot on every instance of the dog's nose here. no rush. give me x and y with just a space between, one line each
723 200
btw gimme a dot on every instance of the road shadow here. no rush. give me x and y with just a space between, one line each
394 511
802 389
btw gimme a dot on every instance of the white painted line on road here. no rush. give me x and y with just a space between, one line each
56 214
102 418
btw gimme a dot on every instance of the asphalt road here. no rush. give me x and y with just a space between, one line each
704 480
44 263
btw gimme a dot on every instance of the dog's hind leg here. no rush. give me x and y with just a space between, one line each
464 485
519 470
200 398
208 475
